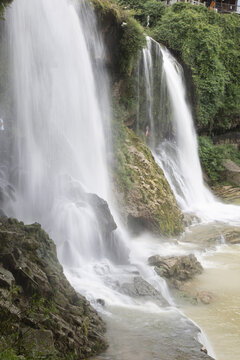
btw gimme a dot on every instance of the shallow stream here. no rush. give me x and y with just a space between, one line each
220 320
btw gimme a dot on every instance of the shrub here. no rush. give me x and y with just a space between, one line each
212 157
131 43
208 43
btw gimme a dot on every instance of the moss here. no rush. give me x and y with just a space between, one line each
132 41
146 193
127 34
105 7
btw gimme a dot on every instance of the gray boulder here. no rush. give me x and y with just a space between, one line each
177 268
231 172
141 288
103 214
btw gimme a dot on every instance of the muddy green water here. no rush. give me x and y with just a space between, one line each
220 320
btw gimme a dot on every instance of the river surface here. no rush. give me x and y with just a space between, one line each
150 332
220 320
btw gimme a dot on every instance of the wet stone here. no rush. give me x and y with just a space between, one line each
141 288
6 278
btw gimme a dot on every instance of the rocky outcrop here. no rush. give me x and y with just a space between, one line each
145 197
232 235
37 303
231 172
176 269
103 214
141 288
231 137
228 193
179 272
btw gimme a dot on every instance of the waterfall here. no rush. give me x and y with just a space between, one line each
58 129
59 150
148 72
176 152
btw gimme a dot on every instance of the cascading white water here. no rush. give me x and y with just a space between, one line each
59 152
148 65
178 157
60 144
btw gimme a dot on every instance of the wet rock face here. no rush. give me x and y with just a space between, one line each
229 194
141 288
232 236
148 203
103 214
177 269
37 300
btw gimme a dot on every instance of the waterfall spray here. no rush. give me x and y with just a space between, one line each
59 148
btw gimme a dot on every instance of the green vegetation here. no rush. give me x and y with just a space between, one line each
142 9
129 37
147 196
123 176
107 7
212 157
209 44
131 42
12 346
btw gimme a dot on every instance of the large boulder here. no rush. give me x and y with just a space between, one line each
232 235
176 269
231 172
37 302
141 288
103 214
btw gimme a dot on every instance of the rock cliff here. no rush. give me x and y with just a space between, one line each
147 201
40 313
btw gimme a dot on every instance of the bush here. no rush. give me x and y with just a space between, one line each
208 43
143 9
154 9
212 157
131 43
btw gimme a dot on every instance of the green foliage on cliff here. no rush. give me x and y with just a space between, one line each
129 37
209 43
212 157
131 43
123 176
152 8
145 193
106 7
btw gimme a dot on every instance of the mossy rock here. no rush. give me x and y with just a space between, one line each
38 303
122 33
147 199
